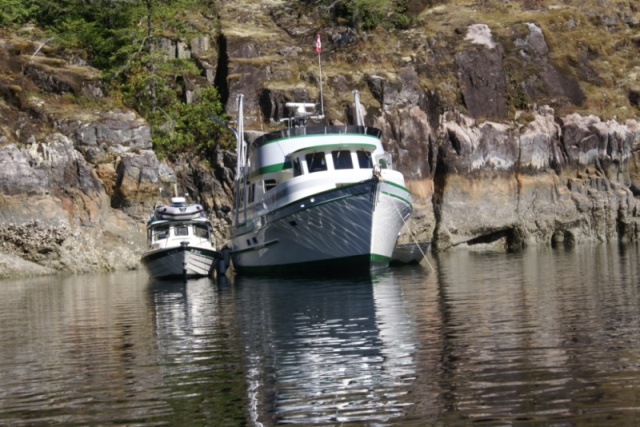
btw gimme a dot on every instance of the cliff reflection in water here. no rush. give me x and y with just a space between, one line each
547 336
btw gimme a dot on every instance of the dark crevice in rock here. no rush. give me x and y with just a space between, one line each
118 199
622 227
439 183
430 155
270 103
634 97
556 164
563 238
491 237
222 70
455 142
516 175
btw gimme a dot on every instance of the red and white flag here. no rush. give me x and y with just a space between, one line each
318 44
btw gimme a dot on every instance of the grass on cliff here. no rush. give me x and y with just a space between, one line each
587 39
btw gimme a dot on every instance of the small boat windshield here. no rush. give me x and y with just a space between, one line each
165 231
201 231
181 230
161 232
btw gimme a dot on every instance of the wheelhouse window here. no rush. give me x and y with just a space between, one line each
316 162
297 168
201 231
252 192
364 160
342 159
269 184
181 230
161 232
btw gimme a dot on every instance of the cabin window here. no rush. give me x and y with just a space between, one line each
252 192
342 159
161 232
181 230
364 160
316 162
269 184
201 231
297 168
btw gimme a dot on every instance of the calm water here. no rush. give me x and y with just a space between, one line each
544 337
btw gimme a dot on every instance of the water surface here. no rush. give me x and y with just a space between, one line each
542 337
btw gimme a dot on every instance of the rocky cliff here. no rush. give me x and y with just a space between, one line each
505 138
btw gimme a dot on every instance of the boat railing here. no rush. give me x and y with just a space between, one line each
317 130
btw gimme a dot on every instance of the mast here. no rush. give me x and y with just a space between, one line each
356 101
241 162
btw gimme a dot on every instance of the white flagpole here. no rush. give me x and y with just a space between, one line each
319 49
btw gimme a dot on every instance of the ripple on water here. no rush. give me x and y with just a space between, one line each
545 337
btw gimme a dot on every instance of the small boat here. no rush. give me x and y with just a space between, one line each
316 198
179 241
409 253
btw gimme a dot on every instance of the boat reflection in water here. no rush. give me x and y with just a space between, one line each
333 350
199 350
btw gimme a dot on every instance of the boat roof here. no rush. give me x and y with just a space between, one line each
316 130
154 222
178 201
363 147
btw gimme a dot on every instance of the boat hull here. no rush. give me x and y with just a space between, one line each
184 261
349 229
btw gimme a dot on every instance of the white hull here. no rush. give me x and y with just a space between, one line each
352 228
186 261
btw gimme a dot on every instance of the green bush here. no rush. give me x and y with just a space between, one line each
368 14
180 127
16 12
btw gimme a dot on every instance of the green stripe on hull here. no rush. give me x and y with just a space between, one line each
396 197
334 266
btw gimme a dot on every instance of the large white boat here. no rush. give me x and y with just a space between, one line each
179 240
316 197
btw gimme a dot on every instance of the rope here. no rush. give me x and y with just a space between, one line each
424 256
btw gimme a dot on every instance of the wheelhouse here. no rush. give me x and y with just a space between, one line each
161 234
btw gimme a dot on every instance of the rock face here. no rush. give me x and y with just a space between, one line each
551 181
54 211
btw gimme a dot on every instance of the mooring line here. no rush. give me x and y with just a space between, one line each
424 256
